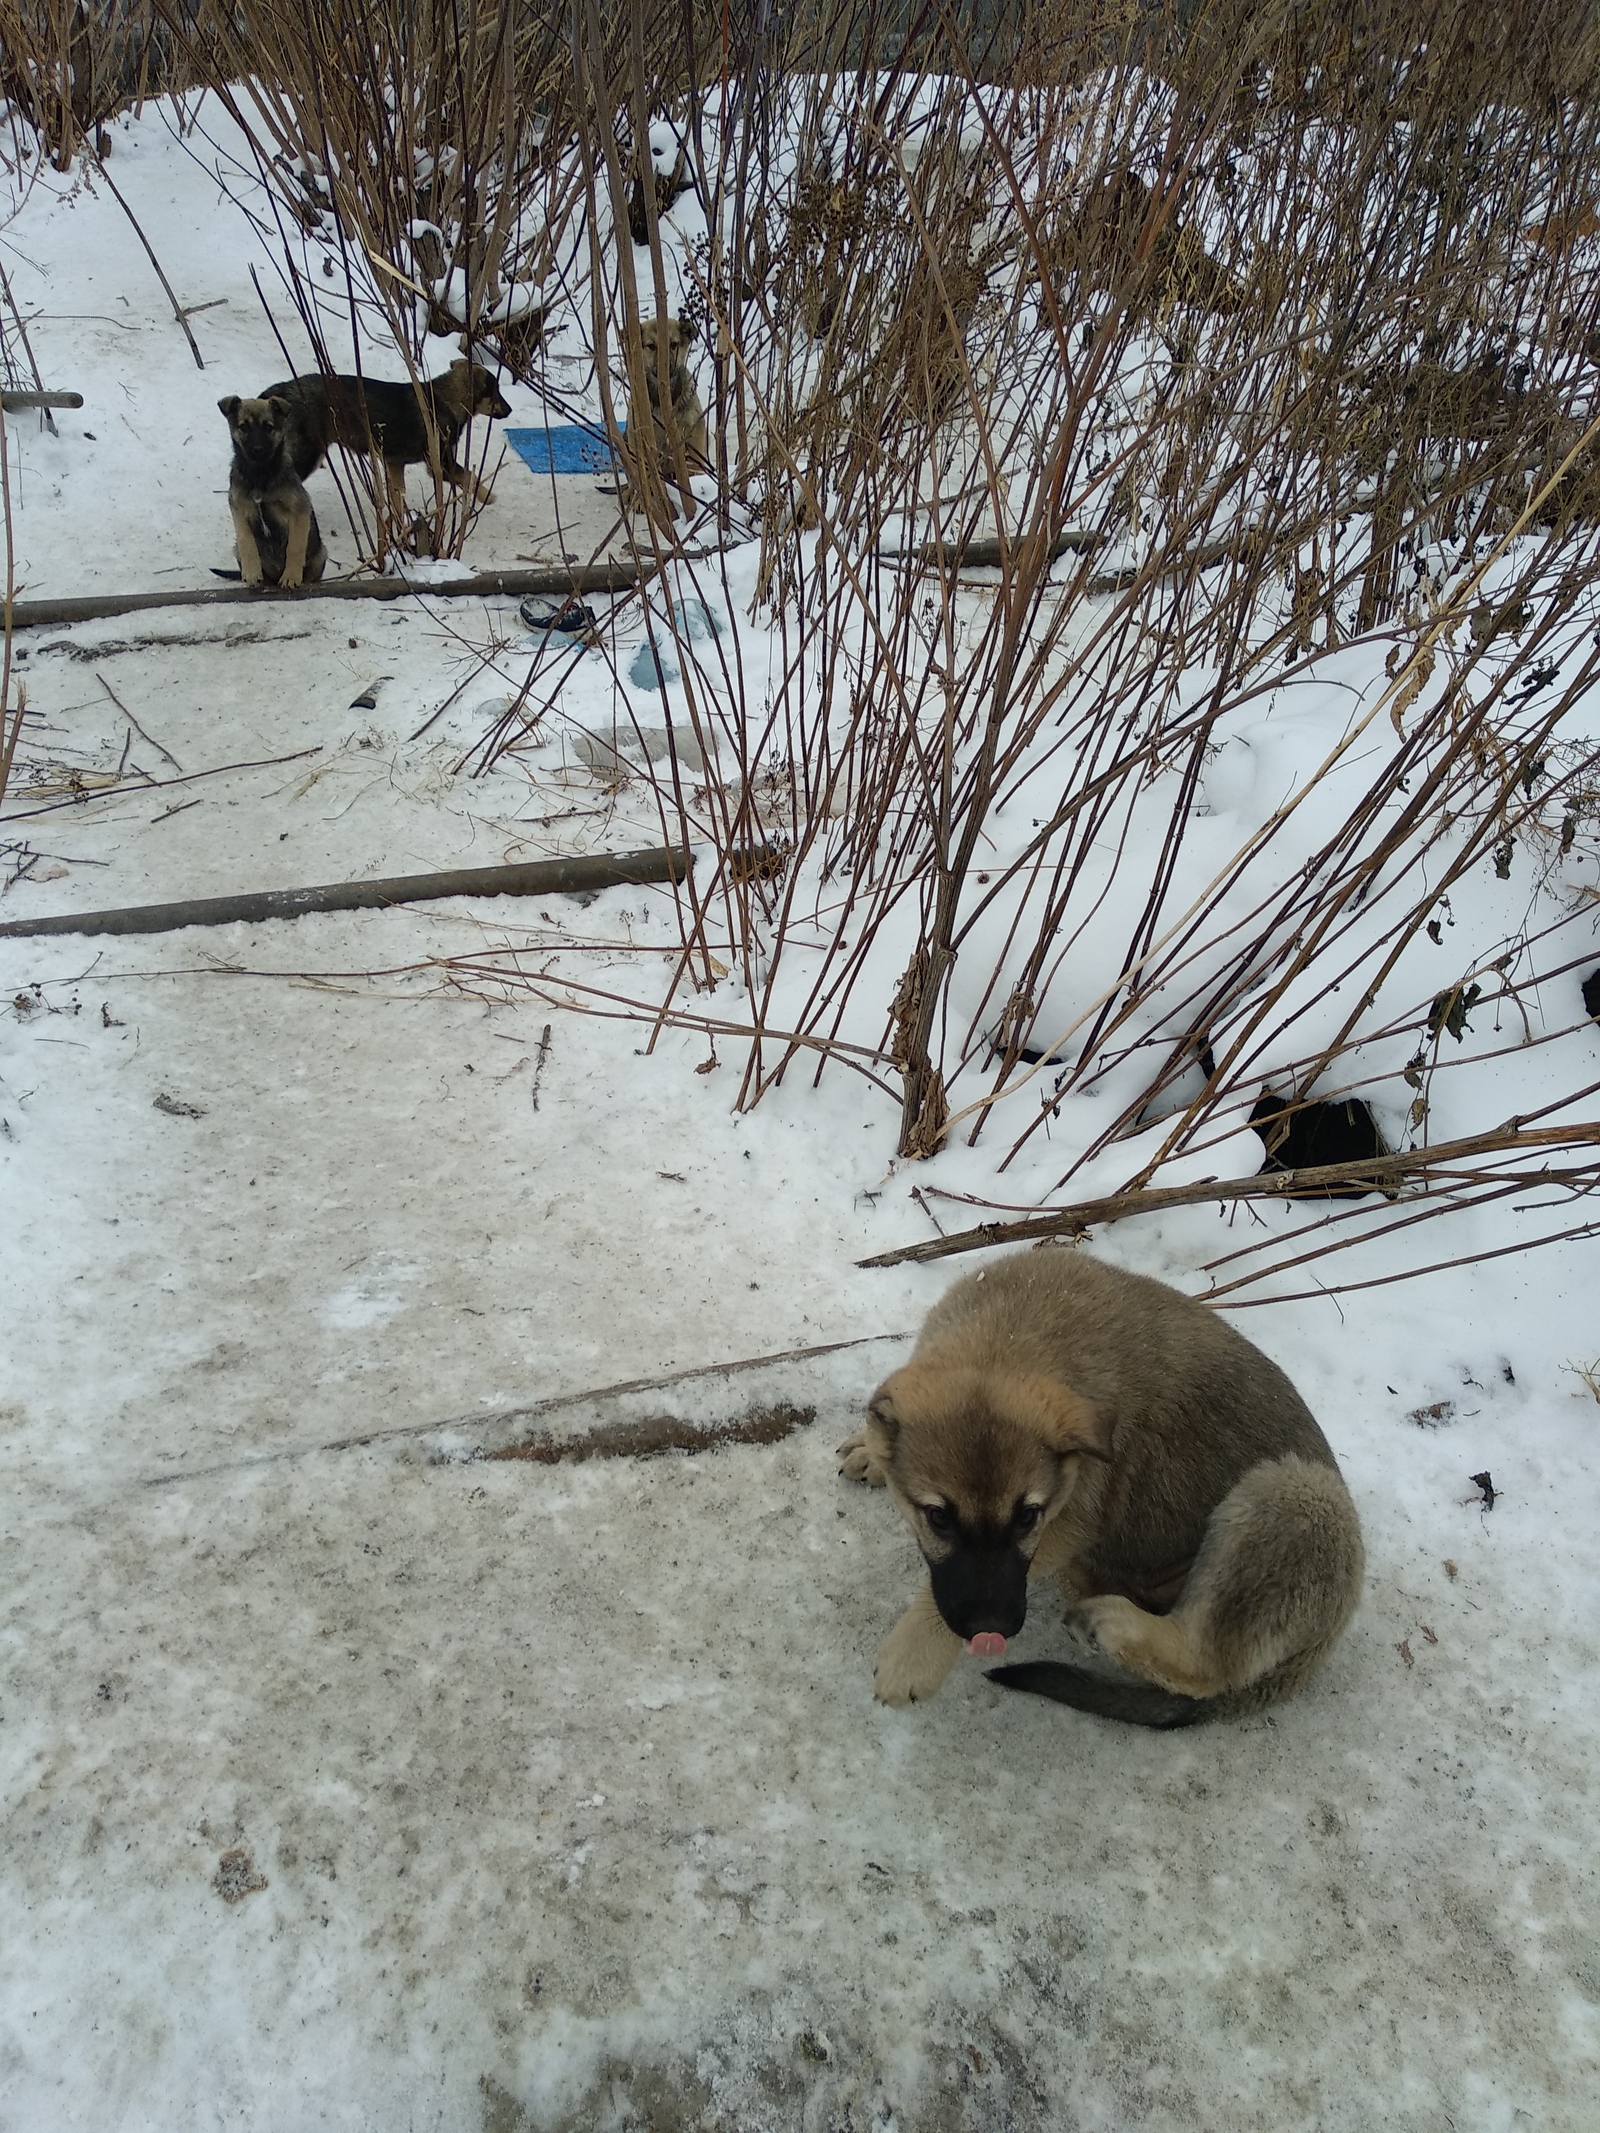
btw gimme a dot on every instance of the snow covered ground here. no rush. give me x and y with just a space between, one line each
352 1781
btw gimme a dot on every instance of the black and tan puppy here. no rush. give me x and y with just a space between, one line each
275 528
1060 1418
386 421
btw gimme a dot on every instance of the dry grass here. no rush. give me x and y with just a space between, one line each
67 67
1030 339
1291 335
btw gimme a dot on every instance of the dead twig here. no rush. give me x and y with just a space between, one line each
1309 1181
538 1064
164 754
114 791
607 577
178 311
538 877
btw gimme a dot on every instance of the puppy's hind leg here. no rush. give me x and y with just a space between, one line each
1277 1578
316 553
299 534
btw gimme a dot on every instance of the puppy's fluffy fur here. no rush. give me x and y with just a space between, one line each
1060 1418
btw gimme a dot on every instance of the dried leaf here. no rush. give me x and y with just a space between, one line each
1410 689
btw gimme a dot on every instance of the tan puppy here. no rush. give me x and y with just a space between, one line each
1060 1418
675 410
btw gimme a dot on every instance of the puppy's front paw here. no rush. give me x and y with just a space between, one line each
914 1661
856 1463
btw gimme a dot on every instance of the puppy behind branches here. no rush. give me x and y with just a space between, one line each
677 418
389 422
1059 1418
275 528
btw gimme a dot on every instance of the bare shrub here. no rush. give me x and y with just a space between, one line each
68 67
1252 350
1247 352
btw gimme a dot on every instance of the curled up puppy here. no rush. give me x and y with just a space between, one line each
1059 1418
275 528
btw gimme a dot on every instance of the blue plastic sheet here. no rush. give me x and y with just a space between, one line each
567 449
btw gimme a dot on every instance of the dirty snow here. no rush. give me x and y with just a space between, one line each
351 1780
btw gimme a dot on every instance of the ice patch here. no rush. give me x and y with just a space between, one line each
371 1298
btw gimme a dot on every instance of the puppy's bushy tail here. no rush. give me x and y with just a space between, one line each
1138 1703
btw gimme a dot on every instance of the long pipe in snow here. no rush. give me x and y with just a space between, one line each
534 877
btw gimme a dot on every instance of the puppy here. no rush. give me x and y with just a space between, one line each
1059 1418
369 416
275 528
676 415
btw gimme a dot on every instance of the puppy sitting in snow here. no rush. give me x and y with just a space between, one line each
275 529
677 418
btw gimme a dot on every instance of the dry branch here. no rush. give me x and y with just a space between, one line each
1310 1181
649 1438
178 310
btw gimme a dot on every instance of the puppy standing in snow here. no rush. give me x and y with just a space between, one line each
1060 1418
391 423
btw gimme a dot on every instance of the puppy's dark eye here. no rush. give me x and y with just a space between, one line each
1025 1517
939 1516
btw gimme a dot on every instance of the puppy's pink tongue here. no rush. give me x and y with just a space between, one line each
987 1644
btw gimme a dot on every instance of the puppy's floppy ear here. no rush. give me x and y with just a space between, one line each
897 1401
230 406
884 1418
280 408
883 1426
1062 1418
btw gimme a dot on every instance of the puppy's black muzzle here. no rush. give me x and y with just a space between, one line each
982 1586
258 451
